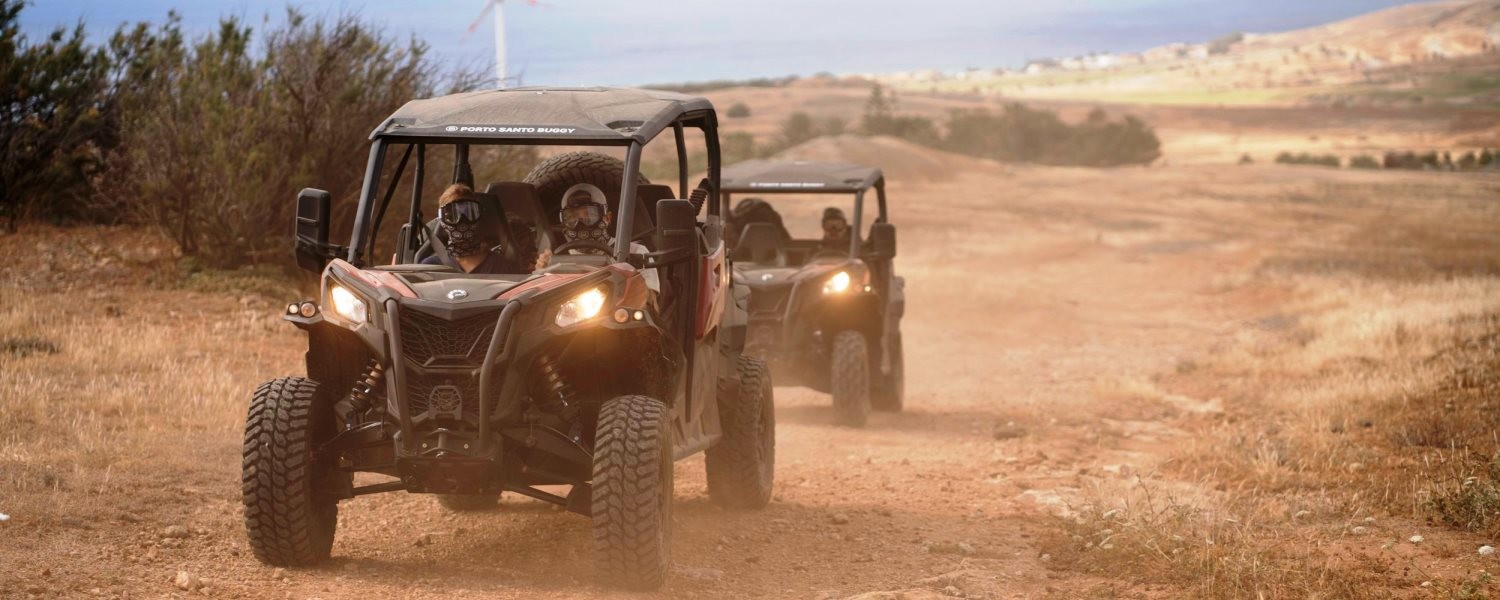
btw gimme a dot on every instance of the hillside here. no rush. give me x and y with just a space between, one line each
1413 54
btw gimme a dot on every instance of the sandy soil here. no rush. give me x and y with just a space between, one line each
1033 293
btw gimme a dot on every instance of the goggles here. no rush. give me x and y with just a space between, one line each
581 215
835 227
462 211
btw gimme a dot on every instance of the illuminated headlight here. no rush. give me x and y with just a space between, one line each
837 284
347 305
581 308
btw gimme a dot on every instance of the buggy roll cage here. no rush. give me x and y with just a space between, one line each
810 177
537 116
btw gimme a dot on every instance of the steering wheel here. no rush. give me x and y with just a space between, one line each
829 253
584 245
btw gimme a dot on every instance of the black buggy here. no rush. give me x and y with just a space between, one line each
826 318
471 385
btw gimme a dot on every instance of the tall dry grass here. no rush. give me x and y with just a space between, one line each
122 380
1359 411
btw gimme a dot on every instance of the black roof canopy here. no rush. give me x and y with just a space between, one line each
596 115
800 176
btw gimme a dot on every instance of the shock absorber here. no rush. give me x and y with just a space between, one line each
557 391
366 386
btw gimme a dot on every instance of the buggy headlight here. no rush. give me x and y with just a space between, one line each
347 305
837 284
580 308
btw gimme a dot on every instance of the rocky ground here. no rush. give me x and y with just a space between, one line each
1057 320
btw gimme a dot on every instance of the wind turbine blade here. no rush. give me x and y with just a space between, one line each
489 5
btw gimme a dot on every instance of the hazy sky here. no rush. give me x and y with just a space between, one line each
656 41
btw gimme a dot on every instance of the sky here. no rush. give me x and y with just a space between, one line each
639 42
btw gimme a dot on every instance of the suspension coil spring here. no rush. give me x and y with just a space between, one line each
365 387
550 380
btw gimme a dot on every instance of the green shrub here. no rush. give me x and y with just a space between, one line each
880 118
1364 162
738 110
56 104
1022 134
244 129
1324 160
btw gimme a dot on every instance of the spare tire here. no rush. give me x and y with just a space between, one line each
555 175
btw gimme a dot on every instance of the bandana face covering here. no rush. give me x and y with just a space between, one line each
596 233
463 238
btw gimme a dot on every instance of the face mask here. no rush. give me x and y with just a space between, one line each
597 233
463 238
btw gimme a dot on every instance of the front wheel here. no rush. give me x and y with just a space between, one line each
290 522
742 466
850 378
632 493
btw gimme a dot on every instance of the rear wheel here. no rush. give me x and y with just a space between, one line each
849 378
469 502
742 466
632 493
289 521
890 395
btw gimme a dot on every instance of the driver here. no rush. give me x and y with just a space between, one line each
470 232
585 217
835 230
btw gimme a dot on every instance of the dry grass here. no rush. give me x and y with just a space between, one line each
137 378
1360 412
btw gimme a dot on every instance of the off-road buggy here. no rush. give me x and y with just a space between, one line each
471 385
826 318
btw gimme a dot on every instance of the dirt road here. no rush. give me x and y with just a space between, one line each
1038 299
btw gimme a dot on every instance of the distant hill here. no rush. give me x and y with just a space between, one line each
1447 51
1400 35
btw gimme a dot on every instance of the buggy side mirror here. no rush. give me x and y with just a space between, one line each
310 237
676 226
883 240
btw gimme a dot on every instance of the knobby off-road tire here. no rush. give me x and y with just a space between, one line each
890 395
632 493
469 502
742 466
289 523
555 175
849 378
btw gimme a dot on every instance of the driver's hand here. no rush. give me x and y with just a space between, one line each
542 260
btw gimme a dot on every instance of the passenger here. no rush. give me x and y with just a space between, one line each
835 230
472 245
585 217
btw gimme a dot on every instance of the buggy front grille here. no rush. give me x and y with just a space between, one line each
427 340
443 394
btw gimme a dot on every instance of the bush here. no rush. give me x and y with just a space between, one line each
1022 134
1364 162
1246 160
1222 44
738 110
55 109
1325 160
880 118
208 138
244 130
797 128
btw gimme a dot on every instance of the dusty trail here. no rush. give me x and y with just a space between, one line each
1035 296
